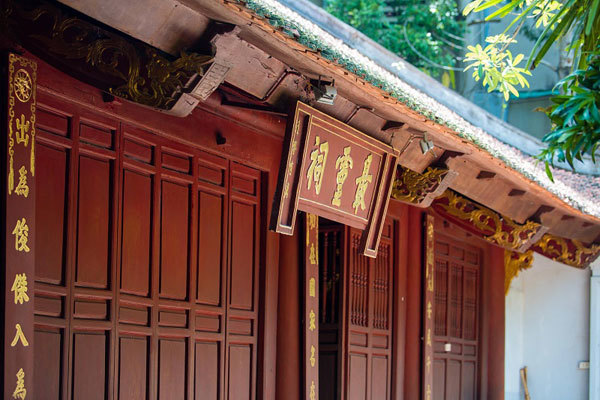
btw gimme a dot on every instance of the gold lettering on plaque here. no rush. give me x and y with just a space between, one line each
313 255
429 310
313 391
428 392
362 182
428 363
19 287
22 188
19 336
312 324
313 359
342 164
21 233
22 129
20 391
312 287
318 159
428 337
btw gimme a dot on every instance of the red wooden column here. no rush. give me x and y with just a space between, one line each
311 308
19 218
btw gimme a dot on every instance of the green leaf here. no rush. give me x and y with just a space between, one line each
548 172
591 17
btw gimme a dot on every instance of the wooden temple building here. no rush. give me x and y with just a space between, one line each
214 199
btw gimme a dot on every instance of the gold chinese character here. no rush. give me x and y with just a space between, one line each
23 85
361 185
19 335
20 391
313 254
313 359
428 363
312 325
429 310
22 188
428 392
342 164
318 159
312 287
428 337
19 286
21 233
22 129
313 391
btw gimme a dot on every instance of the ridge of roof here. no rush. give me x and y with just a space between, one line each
575 189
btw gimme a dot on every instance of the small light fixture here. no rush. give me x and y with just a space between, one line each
426 144
325 93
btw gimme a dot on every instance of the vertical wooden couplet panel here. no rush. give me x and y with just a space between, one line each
19 225
428 308
311 307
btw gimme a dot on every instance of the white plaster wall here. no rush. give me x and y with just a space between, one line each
547 330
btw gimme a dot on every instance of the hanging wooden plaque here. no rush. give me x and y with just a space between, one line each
332 170
19 217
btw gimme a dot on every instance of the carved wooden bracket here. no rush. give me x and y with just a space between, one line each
567 251
484 222
110 60
421 189
513 264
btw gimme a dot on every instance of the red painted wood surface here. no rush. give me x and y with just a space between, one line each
149 279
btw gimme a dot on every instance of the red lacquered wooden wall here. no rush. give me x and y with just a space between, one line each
149 272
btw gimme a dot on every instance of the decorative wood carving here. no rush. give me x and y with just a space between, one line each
333 170
109 60
514 263
568 251
495 228
421 189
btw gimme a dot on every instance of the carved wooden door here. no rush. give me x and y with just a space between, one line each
456 307
147 268
355 350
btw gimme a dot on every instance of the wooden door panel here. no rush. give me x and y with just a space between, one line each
51 204
172 369
210 245
357 383
47 363
240 375
93 221
133 368
380 375
174 240
242 256
136 233
207 366
453 382
90 364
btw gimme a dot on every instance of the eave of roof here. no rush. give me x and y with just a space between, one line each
575 189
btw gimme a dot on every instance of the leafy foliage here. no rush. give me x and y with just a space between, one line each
427 34
575 116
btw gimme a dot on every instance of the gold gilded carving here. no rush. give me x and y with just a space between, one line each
513 264
19 337
19 287
499 230
312 321
318 159
412 187
557 248
22 131
342 164
133 71
20 391
23 85
22 188
21 233
362 182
